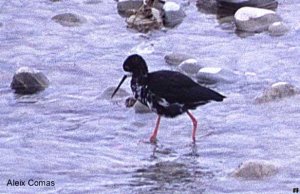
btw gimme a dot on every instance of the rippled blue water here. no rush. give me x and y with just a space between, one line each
88 144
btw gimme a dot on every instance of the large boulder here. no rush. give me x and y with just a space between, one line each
69 19
173 14
28 81
252 19
255 170
277 91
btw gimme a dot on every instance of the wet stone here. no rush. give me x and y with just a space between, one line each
278 29
277 91
127 8
129 102
106 94
213 75
29 81
255 170
207 6
251 19
229 7
189 66
176 58
69 19
173 14
140 108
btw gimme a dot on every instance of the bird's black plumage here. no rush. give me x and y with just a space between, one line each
168 93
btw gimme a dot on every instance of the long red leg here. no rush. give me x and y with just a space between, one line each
194 125
154 134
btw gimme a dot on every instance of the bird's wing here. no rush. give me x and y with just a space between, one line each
176 87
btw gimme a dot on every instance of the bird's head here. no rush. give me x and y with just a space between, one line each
136 66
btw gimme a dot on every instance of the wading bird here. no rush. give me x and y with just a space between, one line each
168 93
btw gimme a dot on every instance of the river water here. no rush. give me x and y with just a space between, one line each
85 143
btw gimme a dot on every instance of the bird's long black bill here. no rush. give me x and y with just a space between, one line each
123 79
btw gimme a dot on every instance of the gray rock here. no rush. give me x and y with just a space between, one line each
29 81
278 29
277 91
173 14
128 7
251 19
1 24
106 94
229 7
143 23
69 19
176 58
213 75
189 66
255 170
140 108
207 6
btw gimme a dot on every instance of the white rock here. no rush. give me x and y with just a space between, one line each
189 66
106 94
173 14
171 6
176 58
26 69
255 169
252 19
278 29
212 75
277 91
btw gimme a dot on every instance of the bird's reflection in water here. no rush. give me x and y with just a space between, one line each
169 170
160 149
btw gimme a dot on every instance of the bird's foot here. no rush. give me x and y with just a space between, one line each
194 140
153 140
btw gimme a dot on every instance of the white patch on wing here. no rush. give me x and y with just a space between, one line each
163 102
149 104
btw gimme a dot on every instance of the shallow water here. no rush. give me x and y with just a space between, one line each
87 144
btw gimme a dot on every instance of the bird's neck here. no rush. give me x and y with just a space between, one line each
139 79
